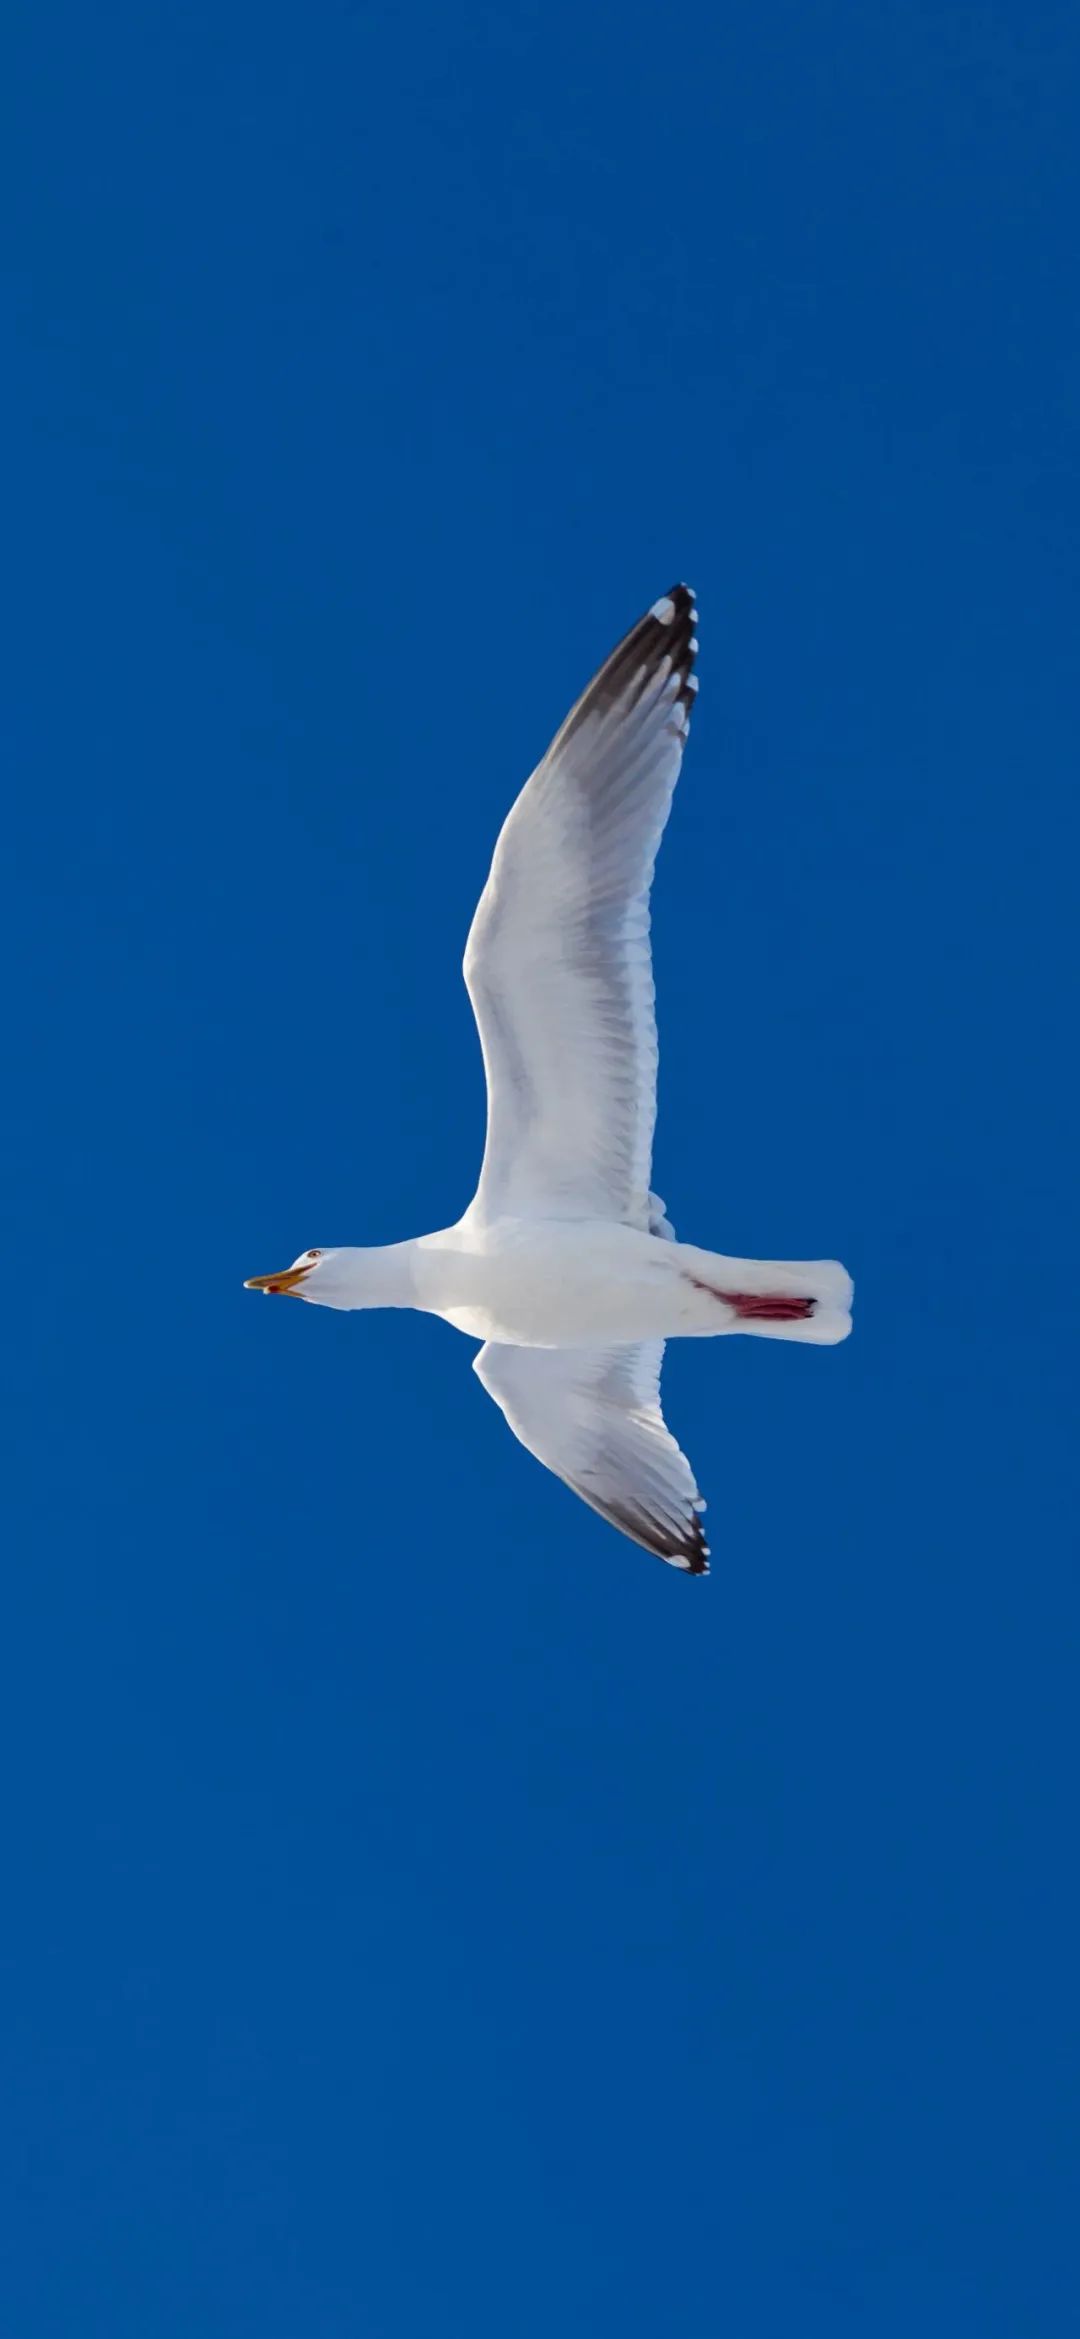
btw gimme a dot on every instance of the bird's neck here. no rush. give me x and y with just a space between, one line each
384 1277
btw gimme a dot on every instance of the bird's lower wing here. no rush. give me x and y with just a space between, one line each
592 1415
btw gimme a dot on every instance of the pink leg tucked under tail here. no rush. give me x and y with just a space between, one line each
771 1307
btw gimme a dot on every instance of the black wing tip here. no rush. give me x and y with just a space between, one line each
684 1549
683 597
663 642
676 613
668 630
681 1547
693 1555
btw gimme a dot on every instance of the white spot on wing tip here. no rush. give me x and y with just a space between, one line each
692 682
664 609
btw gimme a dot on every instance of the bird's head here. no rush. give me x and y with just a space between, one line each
346 1278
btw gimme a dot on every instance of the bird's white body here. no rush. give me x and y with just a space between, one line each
536 1283
565 1264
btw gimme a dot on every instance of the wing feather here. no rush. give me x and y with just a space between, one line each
558 963
592 1415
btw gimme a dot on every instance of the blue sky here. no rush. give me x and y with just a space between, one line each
423 1912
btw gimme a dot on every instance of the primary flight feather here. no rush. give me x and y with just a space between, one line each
564 1263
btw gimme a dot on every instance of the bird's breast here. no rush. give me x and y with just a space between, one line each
558 1286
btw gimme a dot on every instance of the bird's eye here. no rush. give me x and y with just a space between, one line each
314 1254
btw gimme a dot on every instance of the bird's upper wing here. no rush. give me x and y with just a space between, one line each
593 1416
558 964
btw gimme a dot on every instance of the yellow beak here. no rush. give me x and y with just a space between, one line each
289 1280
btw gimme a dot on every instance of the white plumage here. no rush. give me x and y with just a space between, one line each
558 965
565 1263
593 1416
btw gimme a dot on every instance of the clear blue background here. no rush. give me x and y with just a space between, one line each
422 1912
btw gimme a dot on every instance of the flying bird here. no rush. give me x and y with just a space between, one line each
565 1264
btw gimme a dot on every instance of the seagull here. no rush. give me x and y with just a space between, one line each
565 1264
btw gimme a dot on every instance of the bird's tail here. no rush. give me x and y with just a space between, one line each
780 1299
